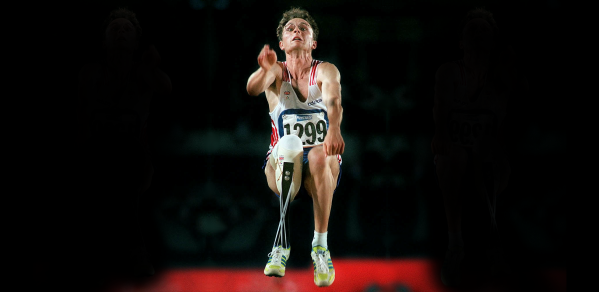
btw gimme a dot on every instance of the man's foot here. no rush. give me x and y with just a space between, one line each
277 260
451 272
324 273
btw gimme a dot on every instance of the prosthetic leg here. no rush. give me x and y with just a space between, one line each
286 159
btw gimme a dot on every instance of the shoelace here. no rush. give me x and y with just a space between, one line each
322 267
276 255
281 234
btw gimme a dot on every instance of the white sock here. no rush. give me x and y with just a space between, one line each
320 239
455 241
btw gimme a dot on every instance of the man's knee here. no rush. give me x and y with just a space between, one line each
269 172
317 160
320 164
289 149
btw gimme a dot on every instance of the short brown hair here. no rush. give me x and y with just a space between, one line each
296 12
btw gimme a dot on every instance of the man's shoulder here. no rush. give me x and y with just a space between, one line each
279 69
326 65
327 69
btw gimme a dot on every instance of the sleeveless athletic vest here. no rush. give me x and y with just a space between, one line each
308 120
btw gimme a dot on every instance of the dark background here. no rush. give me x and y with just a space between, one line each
209 204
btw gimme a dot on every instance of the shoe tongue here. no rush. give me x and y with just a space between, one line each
320 251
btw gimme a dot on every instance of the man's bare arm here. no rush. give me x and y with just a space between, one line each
265 76
259 81
331 94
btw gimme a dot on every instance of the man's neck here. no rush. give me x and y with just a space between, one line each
299 63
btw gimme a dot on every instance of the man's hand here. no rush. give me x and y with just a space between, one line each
267 58
264 77
333 142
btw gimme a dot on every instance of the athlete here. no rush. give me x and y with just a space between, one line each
304 99
471 99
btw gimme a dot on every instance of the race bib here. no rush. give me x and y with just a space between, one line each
309 125
472 128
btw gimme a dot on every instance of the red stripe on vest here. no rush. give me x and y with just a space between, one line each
285 72
274 134
313 72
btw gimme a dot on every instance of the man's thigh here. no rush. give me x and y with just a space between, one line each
270 176
333 171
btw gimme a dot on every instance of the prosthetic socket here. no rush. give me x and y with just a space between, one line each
288 150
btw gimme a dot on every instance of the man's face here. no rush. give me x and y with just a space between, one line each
478 35
297 34
121 35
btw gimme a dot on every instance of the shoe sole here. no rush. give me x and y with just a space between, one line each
325 283
274 273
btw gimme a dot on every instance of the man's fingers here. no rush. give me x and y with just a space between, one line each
333 149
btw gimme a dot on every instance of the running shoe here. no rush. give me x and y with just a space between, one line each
277 260
324 273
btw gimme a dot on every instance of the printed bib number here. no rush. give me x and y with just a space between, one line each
310 127
472 128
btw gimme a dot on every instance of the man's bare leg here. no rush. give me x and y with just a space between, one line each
270 177
284 175
320 183
277 258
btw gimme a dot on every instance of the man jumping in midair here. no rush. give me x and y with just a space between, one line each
304 98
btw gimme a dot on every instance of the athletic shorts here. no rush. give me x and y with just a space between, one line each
302 191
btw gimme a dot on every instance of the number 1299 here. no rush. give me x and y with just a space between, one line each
314 132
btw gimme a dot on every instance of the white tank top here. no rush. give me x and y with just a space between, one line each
308 120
